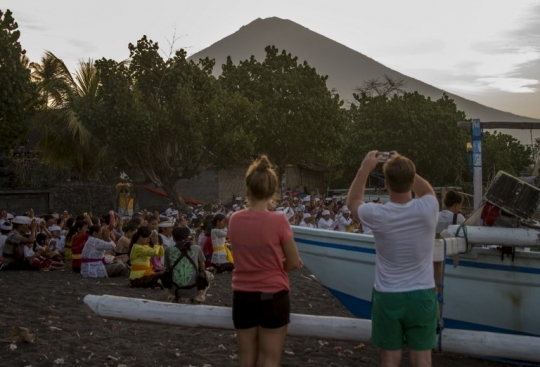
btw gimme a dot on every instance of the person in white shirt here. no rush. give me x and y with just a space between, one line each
345 219
453 201
301 207
404 304
169 210
326 222
288 210
307 221
59 241
165 229
94 263
239 205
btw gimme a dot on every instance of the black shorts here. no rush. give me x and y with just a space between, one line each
268 310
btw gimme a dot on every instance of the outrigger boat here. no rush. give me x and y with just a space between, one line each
487 291
491 281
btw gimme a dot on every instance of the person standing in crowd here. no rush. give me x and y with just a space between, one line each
404 306
453 201
264 250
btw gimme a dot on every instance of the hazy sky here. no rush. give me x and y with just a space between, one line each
487 51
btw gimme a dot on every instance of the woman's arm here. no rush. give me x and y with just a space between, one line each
140 250
292 259
219 232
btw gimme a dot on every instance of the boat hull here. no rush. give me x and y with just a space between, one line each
483 293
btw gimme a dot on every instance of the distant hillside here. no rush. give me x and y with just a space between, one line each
346 68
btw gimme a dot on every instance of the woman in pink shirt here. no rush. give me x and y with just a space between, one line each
264 250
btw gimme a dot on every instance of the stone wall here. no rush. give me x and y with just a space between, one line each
99 197
231 184
223 184
83 197
203 188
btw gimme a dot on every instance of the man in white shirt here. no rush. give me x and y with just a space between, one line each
326 222
404 306
239 205
307 221
169 210
345 219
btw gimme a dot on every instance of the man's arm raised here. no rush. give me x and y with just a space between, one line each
356 191
421 187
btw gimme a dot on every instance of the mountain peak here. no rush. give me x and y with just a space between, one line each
345 67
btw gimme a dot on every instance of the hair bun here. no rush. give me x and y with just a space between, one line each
263 164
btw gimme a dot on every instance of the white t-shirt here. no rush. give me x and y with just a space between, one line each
446 217
404 236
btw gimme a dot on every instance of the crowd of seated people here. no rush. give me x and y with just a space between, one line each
143 247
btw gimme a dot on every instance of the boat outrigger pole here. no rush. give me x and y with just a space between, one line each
476 127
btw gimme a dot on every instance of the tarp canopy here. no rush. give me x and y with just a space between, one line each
160 192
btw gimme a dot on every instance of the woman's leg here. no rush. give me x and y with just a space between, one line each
271 346
248 350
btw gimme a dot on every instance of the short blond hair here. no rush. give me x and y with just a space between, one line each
399 172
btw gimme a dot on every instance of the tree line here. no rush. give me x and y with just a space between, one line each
161 119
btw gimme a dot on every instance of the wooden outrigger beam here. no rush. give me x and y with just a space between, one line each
515 347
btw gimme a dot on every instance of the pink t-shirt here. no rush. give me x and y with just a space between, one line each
257 244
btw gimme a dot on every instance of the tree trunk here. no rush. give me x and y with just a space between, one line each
176 199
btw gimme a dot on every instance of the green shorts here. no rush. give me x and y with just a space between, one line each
404 318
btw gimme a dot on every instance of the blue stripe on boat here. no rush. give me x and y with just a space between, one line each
465 263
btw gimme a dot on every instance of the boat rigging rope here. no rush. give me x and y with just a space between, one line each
464 228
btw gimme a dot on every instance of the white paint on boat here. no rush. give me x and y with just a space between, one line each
486 292
478 235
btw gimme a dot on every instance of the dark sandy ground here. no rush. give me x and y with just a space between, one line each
68 333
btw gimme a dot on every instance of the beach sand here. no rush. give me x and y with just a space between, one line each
68 333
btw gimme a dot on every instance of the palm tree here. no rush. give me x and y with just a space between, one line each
65 142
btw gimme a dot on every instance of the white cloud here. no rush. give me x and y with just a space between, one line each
512 85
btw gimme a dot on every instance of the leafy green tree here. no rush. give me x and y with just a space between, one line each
17 93
168 119
65 142
417 127
503 152
298 119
